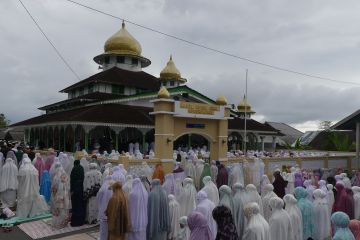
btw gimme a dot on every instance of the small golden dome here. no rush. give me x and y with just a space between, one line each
163 93
123 43
170 72
221 100
244 105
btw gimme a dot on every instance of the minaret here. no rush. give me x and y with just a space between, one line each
170 76
123 51
244 107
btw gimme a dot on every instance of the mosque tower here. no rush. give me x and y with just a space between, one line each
170 76
123 51
244 107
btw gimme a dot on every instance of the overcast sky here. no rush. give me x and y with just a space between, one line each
316 37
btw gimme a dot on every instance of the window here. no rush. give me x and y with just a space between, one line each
107 60
117 89
172 83
134 61
120 59
91 88
81 91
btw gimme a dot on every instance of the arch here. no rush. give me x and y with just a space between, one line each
50 137
192 140
56 143
235 141
69 138
252 141
62 141
129 135
102 138
79 138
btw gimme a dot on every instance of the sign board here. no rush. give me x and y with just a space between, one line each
198 110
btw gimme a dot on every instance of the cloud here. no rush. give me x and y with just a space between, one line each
318 37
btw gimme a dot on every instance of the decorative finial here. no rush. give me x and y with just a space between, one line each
123 23
163 93
221 100
171 57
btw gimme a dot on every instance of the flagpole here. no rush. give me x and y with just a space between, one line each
246 103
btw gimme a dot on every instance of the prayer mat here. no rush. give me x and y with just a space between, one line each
81 236
17 220
41 229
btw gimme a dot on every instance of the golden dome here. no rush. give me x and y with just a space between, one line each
163 93
170 72
221 100
123 43
244 105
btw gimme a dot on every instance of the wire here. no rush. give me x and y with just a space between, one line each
213 49
51 43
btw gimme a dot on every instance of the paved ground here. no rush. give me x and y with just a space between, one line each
84 234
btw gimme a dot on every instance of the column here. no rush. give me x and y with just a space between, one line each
274 143
143 132
64 139
262 143
117 130
357 145
189 141
87 130
73 127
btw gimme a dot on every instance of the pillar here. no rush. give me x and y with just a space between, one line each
64 139
274 143
143 132
87 130
262 143
189 141
357 145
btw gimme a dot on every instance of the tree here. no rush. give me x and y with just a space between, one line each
325 125
3 121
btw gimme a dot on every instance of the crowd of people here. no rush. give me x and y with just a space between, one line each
197 201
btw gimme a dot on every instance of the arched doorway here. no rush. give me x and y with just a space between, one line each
102 138
235 141
127 136
252 141
191 140
56 138
62 141
69 141
79 138
50 138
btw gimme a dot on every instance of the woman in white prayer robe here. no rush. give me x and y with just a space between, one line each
290 177
269 189
356 191
190 170
102 199
128 184
279 222
295 216
322 228
8 183
214 171
211 190
52 168
85 164
257 227
187 199
11 154
107 171
92 184
226 197
206 207
330 197
236 175
238 214
169 184
264 180
184 232
30 202
174 212
198 171
252 195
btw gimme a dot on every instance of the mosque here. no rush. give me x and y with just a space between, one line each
111 109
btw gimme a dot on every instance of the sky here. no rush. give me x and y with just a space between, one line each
315 37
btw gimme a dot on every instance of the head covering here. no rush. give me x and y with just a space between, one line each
174 212
279 185
252 195
222 176
77 197
190 170
206 172
159 173
85 164
225 197
128 184
117 213
199 167
8 183
198 226
103 197
117 175
158 212
295 216
49 160
257 227
45 186
356 196
310 189
138 202
321 213
330 197
279 222
206 207
225 223
322 185
355 228
238 212
264 180
298 179
184 231
11 154
169 184
307 212
341 223
187 199
269 189
211 190
343 202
